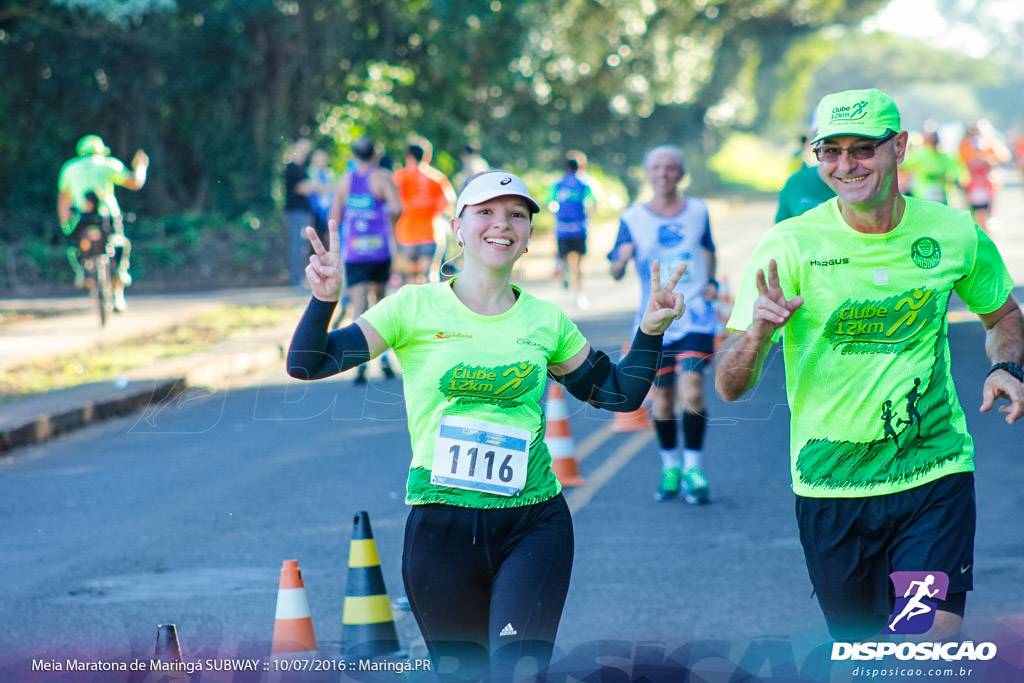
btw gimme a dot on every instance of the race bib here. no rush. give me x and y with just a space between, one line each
668 266
480 456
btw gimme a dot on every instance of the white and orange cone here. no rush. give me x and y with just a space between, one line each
293 623
723 310
558 437
634 421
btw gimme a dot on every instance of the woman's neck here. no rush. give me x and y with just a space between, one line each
485 293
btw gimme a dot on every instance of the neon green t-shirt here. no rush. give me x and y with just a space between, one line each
96 173
874 409
473 389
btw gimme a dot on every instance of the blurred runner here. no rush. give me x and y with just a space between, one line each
980 152
297 190
674 229
366 205
804 189
322 195
932 172
571 202
425 193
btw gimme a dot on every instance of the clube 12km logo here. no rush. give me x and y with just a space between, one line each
914 614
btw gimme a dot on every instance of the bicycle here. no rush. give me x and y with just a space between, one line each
95 252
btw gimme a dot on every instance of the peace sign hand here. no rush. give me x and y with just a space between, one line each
771 308
324 270
664 306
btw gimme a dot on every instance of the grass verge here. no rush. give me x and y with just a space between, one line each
106 361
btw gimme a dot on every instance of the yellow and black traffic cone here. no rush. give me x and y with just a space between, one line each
168 656
368 628
168 649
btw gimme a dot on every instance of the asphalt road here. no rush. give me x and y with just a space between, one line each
185 514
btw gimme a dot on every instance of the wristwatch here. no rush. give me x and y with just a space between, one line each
1012 368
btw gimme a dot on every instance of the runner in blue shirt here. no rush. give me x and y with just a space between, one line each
570 201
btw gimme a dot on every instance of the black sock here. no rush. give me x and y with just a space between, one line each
666 431
693 430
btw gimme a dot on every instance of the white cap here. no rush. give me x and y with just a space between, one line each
493 184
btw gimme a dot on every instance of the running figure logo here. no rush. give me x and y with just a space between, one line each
914 613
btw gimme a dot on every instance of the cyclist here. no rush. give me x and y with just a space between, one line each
94 170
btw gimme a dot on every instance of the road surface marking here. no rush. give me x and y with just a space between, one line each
578 497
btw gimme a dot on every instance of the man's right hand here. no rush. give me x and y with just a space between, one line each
772 309
141 159
324 270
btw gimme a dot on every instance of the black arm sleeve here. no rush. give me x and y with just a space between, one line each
315 354
618 387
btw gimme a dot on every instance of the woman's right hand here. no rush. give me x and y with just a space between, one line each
324 271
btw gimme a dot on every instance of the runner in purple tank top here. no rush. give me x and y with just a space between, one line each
366 204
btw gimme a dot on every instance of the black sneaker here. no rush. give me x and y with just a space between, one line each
360 375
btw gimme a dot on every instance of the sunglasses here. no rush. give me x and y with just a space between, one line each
830 154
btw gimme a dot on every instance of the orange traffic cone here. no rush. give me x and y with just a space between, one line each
558 437
723 310
634 421
367 626
293 623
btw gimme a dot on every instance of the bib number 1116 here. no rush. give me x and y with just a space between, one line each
480 456
487 460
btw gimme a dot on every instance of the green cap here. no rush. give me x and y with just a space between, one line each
864 113
91 144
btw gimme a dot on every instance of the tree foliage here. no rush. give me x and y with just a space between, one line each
215 89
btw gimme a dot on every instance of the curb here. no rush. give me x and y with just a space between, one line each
20 430
39 419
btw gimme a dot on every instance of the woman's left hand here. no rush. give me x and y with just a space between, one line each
664 306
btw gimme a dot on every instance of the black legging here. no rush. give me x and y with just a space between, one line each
487 587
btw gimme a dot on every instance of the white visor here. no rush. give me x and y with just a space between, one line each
494 184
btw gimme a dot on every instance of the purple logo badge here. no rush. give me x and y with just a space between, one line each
506 181
916 593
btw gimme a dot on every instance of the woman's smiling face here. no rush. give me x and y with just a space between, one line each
495 232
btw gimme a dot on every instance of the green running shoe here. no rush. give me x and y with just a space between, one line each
695 487
669 487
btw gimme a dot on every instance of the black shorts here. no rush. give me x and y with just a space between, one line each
853 544
689 354
488 584
418 251
568 245
373 272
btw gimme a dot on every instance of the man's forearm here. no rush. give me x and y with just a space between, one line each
63 208
1004 341
738 365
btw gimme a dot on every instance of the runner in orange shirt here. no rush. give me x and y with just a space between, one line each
980 152
424 192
